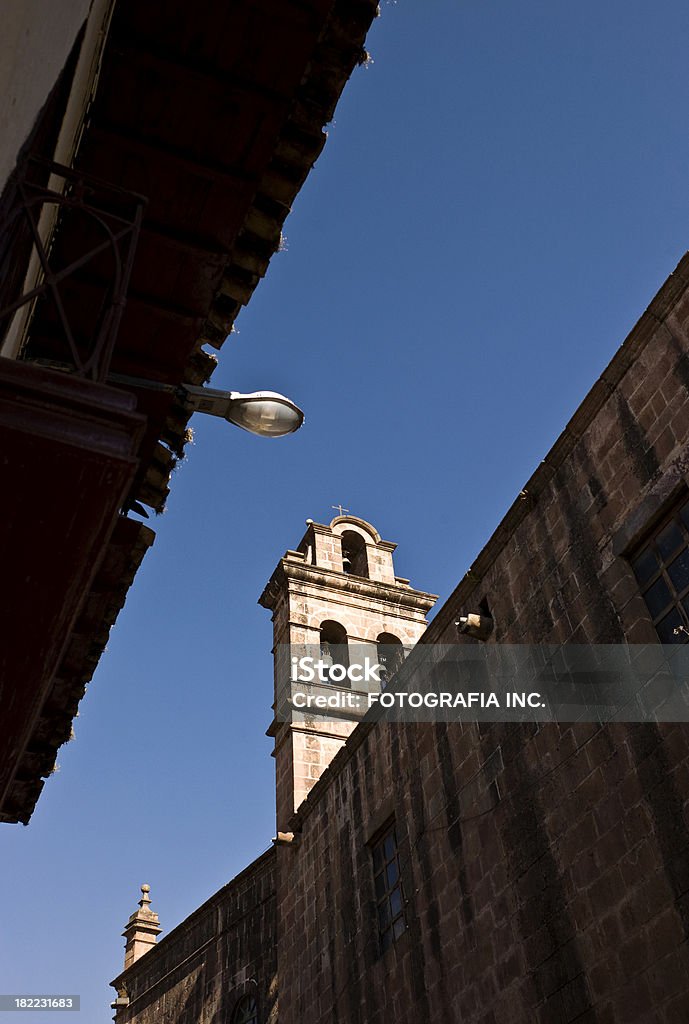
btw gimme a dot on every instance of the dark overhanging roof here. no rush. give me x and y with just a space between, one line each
215 112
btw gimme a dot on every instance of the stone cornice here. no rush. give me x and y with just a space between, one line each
290 570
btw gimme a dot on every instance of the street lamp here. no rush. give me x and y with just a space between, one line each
264 413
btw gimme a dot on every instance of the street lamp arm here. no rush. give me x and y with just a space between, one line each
208 400
264 413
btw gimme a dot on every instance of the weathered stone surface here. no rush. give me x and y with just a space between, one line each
223 951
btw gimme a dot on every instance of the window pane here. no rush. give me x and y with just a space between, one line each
666 627
658 597
646 565
246 1012
684 513
396 902
662 569
380 886
388 889
679 572
670 539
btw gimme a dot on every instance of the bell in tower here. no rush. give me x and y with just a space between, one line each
334 597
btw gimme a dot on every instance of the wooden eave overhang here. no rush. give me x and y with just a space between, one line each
215 112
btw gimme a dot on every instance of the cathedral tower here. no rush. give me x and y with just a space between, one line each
337 593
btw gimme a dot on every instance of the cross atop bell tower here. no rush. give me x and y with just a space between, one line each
336 592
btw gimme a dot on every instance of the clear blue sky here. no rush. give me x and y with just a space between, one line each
502 193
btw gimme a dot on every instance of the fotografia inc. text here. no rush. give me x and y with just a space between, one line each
411 699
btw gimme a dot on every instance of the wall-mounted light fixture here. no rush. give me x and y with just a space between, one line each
264 413
477 626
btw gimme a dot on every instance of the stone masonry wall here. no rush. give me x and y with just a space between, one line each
221 952
545 869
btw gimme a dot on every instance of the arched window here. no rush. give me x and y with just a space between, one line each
334 649
246 1011
354 558
390 654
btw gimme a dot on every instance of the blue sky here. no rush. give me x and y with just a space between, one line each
503 191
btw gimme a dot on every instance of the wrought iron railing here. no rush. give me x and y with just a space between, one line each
49 207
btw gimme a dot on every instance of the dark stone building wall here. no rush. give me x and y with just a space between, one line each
545 868
554 569
223 951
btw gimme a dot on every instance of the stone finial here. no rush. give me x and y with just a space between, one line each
141 931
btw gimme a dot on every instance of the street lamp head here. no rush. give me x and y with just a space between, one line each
265 413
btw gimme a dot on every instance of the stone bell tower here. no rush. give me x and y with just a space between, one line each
337 593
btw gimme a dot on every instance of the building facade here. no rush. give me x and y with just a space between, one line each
489 873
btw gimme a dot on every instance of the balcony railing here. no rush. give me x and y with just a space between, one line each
66 229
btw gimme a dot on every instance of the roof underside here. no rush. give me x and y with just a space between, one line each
215 113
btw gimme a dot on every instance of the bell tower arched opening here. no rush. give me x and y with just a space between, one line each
334 647
390 654
354 555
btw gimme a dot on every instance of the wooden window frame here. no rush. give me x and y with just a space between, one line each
385 855
650 549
